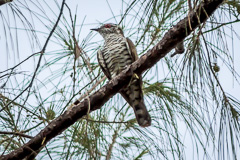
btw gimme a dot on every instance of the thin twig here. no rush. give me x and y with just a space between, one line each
102 121
20 63
16 133
114 137
88 92
39 60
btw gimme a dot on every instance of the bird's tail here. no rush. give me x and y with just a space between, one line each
134 96
142 115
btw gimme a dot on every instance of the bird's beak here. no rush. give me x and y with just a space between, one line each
94 29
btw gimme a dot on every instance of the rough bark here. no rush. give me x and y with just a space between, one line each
175 35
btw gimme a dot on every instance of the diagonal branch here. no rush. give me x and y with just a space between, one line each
175 35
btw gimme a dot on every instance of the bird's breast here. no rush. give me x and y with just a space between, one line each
116 55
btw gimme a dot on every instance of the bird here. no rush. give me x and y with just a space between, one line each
115 55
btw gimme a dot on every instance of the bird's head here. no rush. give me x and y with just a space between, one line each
107 29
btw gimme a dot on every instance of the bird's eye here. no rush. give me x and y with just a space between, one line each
107 26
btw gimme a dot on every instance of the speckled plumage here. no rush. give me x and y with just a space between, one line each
117 53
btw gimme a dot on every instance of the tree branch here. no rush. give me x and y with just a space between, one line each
175 35
114 137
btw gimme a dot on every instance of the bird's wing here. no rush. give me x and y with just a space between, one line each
132 49
138 81
133 92
102 64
